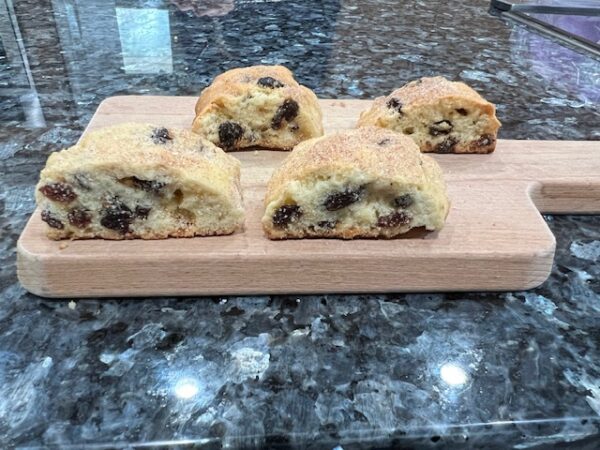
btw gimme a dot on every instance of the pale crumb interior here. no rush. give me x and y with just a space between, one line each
380 208
254 112
435 124
134 207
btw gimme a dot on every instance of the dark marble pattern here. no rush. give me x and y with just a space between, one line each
480 370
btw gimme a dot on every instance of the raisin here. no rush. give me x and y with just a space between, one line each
394 103
229 134
161 136
117 216
148 186
462 111
447 146
485 140
79 218
269 82
52 221
443 127
385 141
329 224
393 220
339 200
286 214
142 212
404 201
287 111
59 192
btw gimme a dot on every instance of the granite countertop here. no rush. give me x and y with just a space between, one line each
483 370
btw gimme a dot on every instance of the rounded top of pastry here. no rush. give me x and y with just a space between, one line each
145 148
371 150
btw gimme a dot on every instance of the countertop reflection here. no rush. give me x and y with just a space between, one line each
481 370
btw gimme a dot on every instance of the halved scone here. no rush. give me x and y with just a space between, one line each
258 106
439 115
140 181
367 182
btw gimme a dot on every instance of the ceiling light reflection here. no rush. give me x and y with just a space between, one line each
453 374
186 388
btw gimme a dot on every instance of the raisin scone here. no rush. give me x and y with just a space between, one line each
261 106
367 182
439 115
140 181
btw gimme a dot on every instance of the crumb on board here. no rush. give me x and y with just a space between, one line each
63 245
72 305
255 152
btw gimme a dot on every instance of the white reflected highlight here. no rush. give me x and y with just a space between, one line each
186 388
453 374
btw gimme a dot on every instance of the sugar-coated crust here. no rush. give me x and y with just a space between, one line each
434 91
229 88
376 153
129 150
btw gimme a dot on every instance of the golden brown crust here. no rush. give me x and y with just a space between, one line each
174 171
440 93
235 95
375 154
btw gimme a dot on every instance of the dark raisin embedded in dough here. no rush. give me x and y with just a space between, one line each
117 216
52 221
59 192
383 142
148 185
161 136
287 111
440 128
485 140
404 201
339 200
269 82
395 104
79 218
229 134
447 146
393 220
142 212
286 214
328 224
462 111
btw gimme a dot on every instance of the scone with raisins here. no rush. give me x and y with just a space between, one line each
367 182
140 181
439 115
258 106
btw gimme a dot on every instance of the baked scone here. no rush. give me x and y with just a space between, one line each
367 182
258 106
439 115
140 181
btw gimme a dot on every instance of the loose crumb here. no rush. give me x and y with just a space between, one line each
62 245
256 152
72 305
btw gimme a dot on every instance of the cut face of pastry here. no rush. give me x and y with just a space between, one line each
260 106
140 181
367 182
439 115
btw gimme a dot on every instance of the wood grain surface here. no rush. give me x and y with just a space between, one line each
494 239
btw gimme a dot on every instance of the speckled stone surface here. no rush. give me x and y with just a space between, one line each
481 370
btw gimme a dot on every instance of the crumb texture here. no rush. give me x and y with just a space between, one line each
140 181
367 182
258 106
439 115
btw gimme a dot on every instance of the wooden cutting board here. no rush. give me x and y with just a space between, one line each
494 239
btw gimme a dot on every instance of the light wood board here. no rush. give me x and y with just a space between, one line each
494 238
